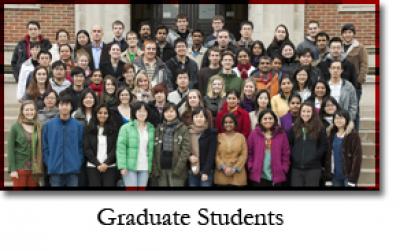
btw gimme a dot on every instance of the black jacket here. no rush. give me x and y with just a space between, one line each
107 69
349 71
104 56
168 52
190 66
207 150
155 117
206 62
308 153
123 44
90 146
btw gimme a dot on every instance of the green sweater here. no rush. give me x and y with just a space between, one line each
232 82
128 144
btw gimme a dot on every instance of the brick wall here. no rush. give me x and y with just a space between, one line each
51 17
331 21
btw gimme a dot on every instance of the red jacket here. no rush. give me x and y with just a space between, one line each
242 117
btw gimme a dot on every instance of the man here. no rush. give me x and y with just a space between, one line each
153 67
356 53
97 49
22 49
214 57
342 90
246 32
27 67
75 90
217 24
62 141
232 81
266 77
197 51
182 62
165 51
144 33
309 40
62 37
59 82
133 51
182 31
305 59
223 43
44 59
179 95
322 40
118 28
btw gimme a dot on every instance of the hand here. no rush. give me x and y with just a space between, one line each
204 177
124 172
14 174
193 159
104 167
229 171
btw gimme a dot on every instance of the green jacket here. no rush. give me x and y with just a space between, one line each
181 151
232 82
128 146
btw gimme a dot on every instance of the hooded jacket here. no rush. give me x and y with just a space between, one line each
161 74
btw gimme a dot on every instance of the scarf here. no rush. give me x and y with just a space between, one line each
168 137
243 69
36 148
98 88
28 44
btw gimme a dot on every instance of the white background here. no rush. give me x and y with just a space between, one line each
313 220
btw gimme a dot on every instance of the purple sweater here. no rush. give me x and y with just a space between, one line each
287 122
280 155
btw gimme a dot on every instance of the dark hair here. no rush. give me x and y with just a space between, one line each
342 113
57 64
62 30
246 22
77 45
336 61
118 22
65 99
128 66
229 115
34 44
77 70
161 27
169 105
112 44
96 70
109 126
234 92
144 23
130 33
113 80
83 95
218 17
118 92
62 45
228 53
327 88
261 44
261 115
180 40
241 50
307 83
275 41
34 22
137 106
50 91
348 26
181 72
256 107
305 51
294 95
182 16
284 76
197 110
335 40
313 22
198 31
33 89
291 45
46 53
313 127
327 99
322 34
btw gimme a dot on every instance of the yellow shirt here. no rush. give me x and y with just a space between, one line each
279 105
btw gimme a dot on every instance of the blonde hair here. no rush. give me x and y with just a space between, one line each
21 117
140 75
249 80
209 86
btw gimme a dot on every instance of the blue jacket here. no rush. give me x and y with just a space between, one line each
63 146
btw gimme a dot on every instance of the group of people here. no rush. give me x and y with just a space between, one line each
175 108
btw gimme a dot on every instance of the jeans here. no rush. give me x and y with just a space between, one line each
195 180
64 180
340 183
357 120
136 178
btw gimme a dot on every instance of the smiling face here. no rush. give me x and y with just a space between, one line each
88 101
227 62
160 97
199 119
268 121
229 124
83 61
181 49
65 53
280 33
330 108
83 39
29 111
320 90
129 75
41 76
217 86
44 60
306 113
287 51
286 85
340 122
150 50
263 101
62 38
170 115
97 77
124 97
294 106
264 65
348 36
312 29
232 101
102 115
141 114
322 42
249 89
257 49
143 82
301 77
243 57
115 52
109 86
306 59
193 99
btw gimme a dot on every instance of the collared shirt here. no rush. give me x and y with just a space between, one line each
96 51
335 90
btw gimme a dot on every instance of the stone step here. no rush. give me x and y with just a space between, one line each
367 178
367 123
367 136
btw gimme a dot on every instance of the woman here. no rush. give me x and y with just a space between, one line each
232 106
248 97
82 40
50 109
231 154
142 90
122 112
257 50
204 145
289 63
262 103
62 37
243 68
269 152
128 77
308 146
172 150
82 60
344 156
115 65
24 148
281 35
193 101
328 108
290 117
135 148
65 51
320 91
279 103
156 106
99 147
38 87
86 108
215 94
110 86
302 82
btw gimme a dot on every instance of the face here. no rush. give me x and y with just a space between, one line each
199 119
287 51
227 62
97 33
181 49
118 30
129 75
348 36
229 124
246 31
243 58
33 31
83 62
59 72
306 59
232 101
249 89
29 111
65 53
97 77
182 80
257 50
214 57
65 109
267 121
330 108
217 86
197 38
132 40
83 39
339 121
44 60
286 85
322 42
301 77
62 38
161 35
294 105
280 33
115 51
124 97
160 97
79 79
34 51
170 115
277 64
50 100
102 115
264 65
313 29
41 76
109 86
182 24
143 83
193 99
141 114
306 113
335 70
145 32
263 100
223 38
217 25
320 89
335 49
88 101
150 51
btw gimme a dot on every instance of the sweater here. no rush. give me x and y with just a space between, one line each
242 118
